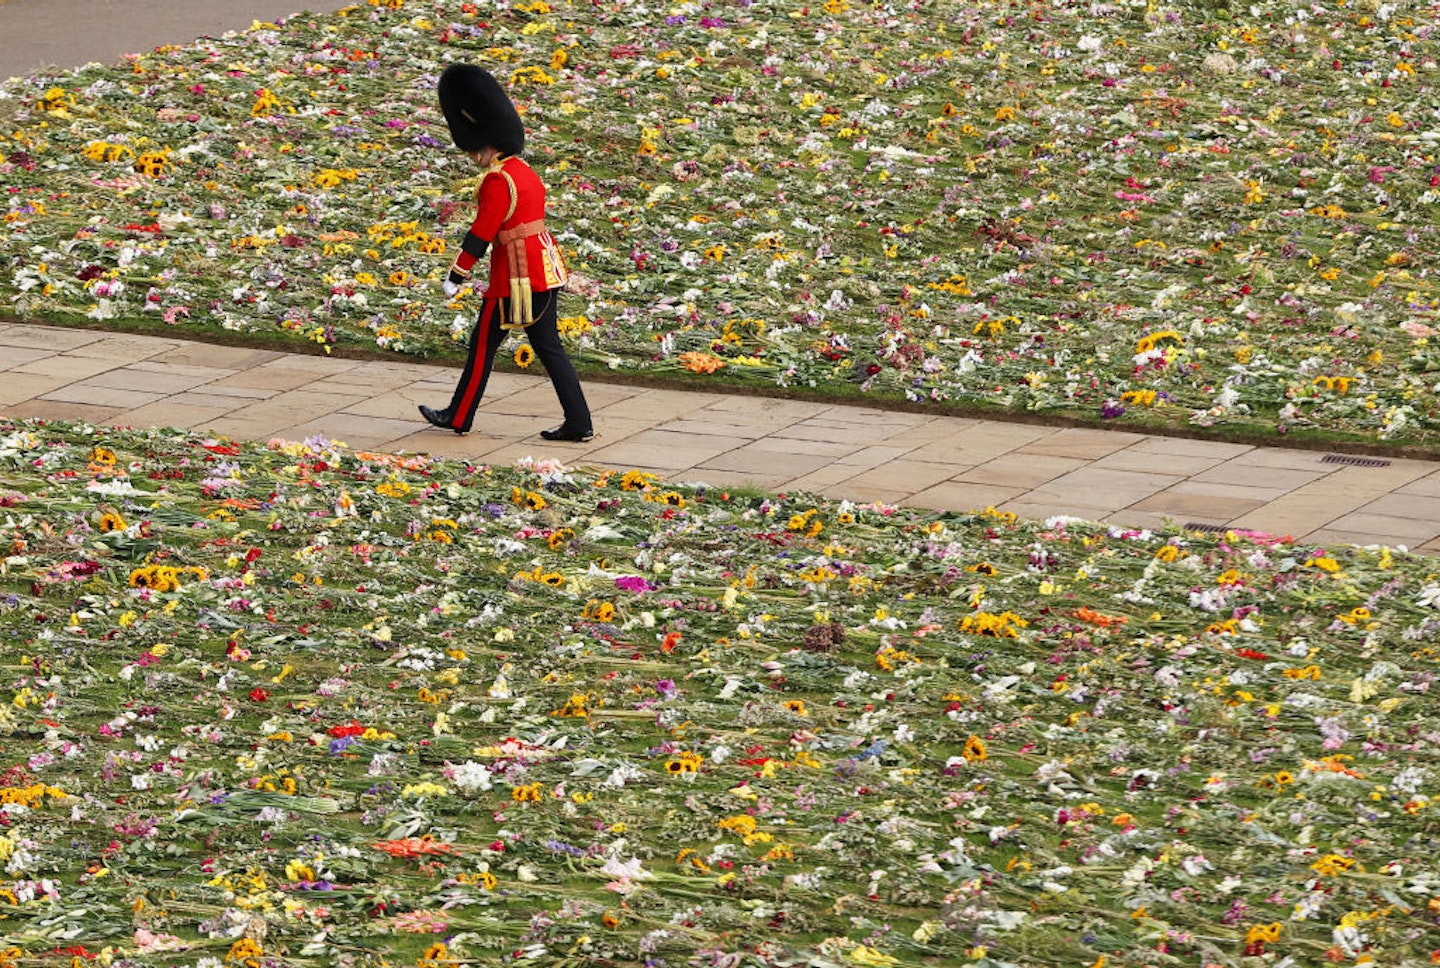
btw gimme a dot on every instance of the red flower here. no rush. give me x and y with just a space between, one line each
351 728
259 695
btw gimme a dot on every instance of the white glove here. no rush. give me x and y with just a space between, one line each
451 288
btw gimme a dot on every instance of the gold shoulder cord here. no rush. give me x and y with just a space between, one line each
522 314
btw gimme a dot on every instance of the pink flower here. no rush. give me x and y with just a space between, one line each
146 940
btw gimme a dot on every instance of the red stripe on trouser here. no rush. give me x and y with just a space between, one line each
474 377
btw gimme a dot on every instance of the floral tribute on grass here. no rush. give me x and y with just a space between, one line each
1190 212
297 704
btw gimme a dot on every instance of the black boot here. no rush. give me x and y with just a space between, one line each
439 418
565 433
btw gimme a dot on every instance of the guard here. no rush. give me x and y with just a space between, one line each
527 271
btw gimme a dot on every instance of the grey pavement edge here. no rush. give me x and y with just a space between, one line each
70 33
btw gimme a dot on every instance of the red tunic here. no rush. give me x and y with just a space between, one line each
494 213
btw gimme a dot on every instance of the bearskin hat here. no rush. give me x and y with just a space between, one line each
479 112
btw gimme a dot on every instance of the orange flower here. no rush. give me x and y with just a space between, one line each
413 846
1088 614
974 751
701 362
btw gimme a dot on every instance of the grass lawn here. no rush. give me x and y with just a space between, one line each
1196 215
290 703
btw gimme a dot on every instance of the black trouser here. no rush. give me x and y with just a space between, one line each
544 337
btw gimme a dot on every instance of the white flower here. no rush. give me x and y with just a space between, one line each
470 776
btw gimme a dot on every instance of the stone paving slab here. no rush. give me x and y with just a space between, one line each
65 366
1132 458
123 348
960 494
211 355
838 450
1186 507
1429 485
87 392
164 413
17 387
62 410
163 381
756 462
1021 469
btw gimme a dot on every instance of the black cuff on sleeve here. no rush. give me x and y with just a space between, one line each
474 245
457 277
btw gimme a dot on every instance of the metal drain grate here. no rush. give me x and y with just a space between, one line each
1203 526
1354 461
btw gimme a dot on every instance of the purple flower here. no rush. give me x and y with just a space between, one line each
633 583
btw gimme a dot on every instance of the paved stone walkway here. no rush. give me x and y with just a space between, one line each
68 33
722 439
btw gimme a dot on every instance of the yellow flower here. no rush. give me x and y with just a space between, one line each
672 498
1001 626
575 706
958 285
106 151
530 793
573 325
1150 342
889 657
1263 933
870 957
636 481
686 762
330 177
524 355
742 824
247 952
602 612
56 99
